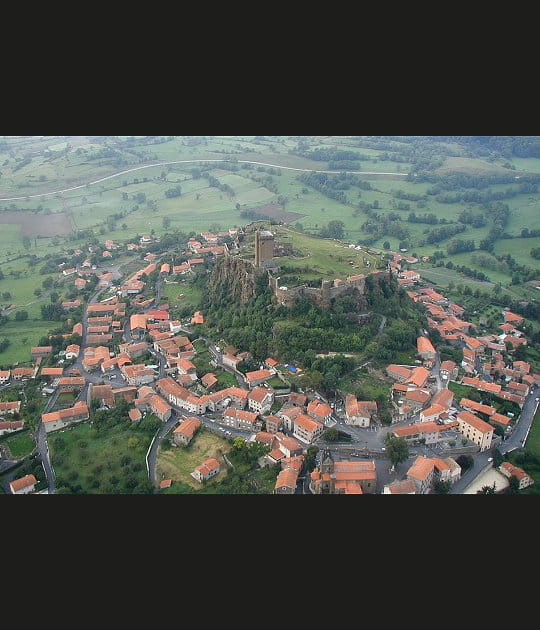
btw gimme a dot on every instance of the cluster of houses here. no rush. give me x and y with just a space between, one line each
417 394
127 347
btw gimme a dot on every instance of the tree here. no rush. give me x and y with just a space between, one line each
386 245
465 462
166 222
498 458
331 435
487 489
442 487
21 316
397 449
334 229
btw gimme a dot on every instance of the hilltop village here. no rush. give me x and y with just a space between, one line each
128 349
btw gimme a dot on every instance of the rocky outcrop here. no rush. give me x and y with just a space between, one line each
232 280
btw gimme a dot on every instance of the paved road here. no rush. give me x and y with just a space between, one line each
516 440
43 447
151 458
156 164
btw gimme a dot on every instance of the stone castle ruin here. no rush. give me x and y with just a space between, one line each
354 285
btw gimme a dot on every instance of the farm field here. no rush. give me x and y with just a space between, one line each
178 462
520 249
22 336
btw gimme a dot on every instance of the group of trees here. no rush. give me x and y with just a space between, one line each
334 229
176 191
458 245
436 235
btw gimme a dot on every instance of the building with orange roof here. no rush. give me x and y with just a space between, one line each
512 318
24 485
260 400
64 417
359 413
400 373
209 380
184 433
433 413
522 366
10 426
286 481
421 474
79 283
134 415
475 429
307 429
185 366
181 397
448 370
240 419
407 486
471 405
419 377
37 352
430 432
137 325
343 477
521 388
197 318
425 349
500 419
443 397
287 445
509 470
21 373
137 374
264 438
52 372
5 375
273 423
11 407
72 351
208 469
257 377
319 410
160 407
417 398
271 363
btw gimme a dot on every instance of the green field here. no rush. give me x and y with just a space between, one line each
20 444
109 461
181 294
22 336
325 257
178 463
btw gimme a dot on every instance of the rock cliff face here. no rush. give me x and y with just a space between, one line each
232 280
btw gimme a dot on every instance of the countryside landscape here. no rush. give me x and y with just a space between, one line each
269 314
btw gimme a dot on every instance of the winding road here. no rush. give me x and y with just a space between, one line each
138 168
